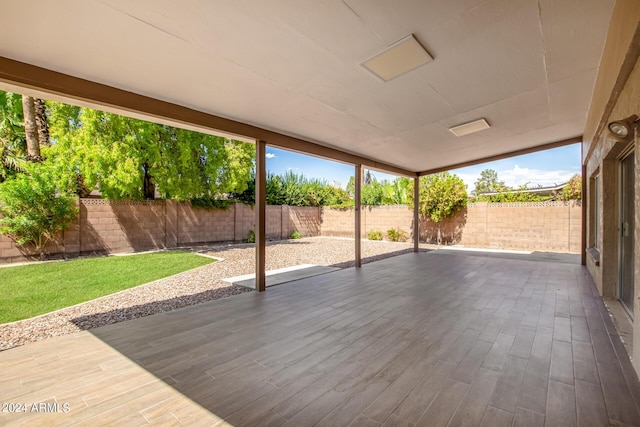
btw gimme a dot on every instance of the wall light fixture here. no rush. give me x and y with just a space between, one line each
623 130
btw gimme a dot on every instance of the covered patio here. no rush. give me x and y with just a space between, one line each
420 339
438 338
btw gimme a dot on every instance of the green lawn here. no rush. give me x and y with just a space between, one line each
30 290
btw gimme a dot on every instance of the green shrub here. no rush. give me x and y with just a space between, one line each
350 204
441 195
396 235
374 235
34 208
573 189
252 237
210 203
295 235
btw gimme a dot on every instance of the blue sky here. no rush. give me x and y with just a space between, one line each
542 168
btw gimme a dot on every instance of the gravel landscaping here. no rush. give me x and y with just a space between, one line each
194 286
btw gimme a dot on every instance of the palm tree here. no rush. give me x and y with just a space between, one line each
23 127
31 129
9 161
41 122
11 134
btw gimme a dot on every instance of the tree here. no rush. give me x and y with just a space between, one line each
130 158
21 135
295 190
397 192
573 189
10 162
441 196
489 183
42 122
351 186
34 207
372 193
12 139
31 128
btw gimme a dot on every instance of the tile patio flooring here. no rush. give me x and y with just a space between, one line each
430 339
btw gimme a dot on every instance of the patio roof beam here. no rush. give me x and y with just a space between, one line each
537 148
260 212
31 77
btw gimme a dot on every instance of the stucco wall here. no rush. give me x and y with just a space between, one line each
603 160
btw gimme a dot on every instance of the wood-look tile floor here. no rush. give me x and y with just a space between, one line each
421 339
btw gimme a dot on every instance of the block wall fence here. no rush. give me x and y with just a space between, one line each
537 226
108 226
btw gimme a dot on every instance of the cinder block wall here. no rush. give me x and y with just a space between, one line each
304 220
245 221
198 225
545 226
108 226
383 218
105 226
337 222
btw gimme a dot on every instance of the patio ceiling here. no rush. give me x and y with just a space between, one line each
528 66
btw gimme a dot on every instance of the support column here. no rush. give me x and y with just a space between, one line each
583 241
260 207
358 214
416 214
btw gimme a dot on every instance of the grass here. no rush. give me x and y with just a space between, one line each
30 290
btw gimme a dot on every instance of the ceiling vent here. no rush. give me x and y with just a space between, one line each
471 127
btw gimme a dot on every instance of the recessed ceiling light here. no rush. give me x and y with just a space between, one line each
471 127
399 58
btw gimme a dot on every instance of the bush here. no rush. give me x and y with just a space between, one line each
295 235
35 209
252 237
211 203
441 196
573 189
517 196
374 235
396 235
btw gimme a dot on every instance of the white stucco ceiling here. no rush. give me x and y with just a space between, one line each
527 66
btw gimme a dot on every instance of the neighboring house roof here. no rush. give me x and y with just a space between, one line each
540 191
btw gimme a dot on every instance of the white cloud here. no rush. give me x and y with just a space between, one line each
469 179
270 155
533 177
518 176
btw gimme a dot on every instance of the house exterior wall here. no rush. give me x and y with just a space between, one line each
603 159
616 96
